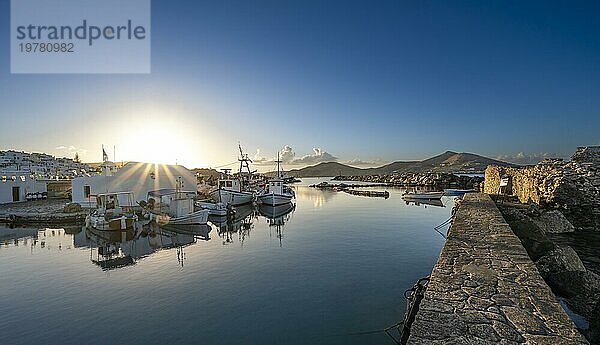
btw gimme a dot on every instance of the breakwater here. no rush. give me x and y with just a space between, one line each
431 179
484 287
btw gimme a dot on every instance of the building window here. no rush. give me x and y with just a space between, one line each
86 191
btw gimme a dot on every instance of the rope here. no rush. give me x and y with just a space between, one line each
224 165
416 291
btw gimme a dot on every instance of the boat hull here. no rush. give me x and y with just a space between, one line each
213 209
457 192
424 196
230 197
115 224
194 218
273 199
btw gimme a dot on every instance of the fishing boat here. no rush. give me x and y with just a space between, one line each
214 209
114 211
457 192
174 207
229 192
277 192
423 195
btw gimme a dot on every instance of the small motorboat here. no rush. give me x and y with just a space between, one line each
214 209
423 195
174 207
457 192
114 211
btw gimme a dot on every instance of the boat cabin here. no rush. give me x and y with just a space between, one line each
230 184
276 186
174 202
117 203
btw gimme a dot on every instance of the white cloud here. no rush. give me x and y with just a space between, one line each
71 150
527 158
368 163
319 155
258 158
288 157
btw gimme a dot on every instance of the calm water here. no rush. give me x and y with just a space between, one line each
338 264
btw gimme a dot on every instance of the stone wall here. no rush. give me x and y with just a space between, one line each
572 187
485 289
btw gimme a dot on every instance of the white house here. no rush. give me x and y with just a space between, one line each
16 185
139 178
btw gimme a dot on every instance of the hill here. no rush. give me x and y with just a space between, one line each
449 161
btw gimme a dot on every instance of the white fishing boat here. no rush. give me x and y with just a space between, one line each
277 192
423 195
229 192
174 207
214 209
114 211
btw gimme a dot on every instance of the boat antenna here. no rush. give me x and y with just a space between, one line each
278 161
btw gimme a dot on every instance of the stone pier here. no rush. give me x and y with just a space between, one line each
485 289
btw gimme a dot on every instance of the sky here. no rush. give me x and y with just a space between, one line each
350 81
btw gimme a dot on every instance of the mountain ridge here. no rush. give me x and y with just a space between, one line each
448 162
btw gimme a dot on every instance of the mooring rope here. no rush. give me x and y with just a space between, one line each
416 293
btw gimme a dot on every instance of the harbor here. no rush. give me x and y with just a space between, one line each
468 295
300 173
247 273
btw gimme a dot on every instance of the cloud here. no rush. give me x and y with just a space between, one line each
523 158
72 149
258 158
288 157
287 154
319 155
372 163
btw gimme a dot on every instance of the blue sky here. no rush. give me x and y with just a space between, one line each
369 81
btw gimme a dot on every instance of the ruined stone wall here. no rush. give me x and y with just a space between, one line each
573 187
484 288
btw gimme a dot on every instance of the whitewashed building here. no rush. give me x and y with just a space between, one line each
139 178
18 186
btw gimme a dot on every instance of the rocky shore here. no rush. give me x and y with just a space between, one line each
559 264
435 180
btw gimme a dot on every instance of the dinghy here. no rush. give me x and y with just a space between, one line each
423 195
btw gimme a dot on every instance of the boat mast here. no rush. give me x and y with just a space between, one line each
244 162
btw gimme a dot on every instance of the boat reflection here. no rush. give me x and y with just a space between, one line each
116 249
277 216
425 202
239 222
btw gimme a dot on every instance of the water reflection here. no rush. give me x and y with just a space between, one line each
318 197
424 202
111 250
239 223
277 216
116 249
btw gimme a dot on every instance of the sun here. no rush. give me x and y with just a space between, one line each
159 141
